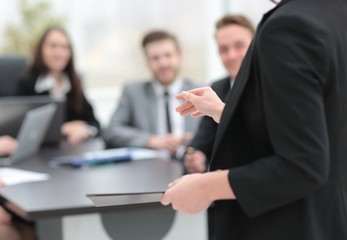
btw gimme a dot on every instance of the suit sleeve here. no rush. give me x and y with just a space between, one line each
120 132
293 64
204 136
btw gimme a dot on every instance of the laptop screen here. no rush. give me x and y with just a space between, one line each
31 133
15 109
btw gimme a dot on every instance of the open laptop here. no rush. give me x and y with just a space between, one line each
31 133
16 108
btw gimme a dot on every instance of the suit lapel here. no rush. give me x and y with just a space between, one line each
234 97
241 80
152 107
226 88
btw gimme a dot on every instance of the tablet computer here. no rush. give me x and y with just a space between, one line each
116 199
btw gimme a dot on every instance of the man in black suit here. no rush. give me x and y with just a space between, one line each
233 35
281 143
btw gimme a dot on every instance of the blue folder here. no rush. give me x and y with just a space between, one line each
105 156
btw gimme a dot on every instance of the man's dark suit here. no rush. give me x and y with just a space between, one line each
283 132
205 135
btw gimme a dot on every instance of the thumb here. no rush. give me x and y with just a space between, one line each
165 200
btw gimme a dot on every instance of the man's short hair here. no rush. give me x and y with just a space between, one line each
158 35
240 20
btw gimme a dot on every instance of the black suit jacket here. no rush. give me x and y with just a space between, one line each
205 135
26 87
283 132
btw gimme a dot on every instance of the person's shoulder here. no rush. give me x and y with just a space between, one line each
303 16
221 82
136 86
222 87
26 80
25 84
27 77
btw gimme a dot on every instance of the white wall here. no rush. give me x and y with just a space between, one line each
106 34
254 9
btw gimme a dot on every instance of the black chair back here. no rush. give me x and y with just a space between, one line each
11 68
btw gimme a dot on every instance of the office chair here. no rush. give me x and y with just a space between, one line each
11 68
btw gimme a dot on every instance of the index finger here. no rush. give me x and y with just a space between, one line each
180 96
185 108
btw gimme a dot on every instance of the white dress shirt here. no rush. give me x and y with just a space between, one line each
48 83
177 121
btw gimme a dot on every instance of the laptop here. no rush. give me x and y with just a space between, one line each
16 108
31 133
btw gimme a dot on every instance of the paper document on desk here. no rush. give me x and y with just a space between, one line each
11 176
145 153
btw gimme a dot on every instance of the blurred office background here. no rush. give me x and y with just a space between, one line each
106 35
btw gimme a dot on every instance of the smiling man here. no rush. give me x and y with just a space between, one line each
146 116
233 36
